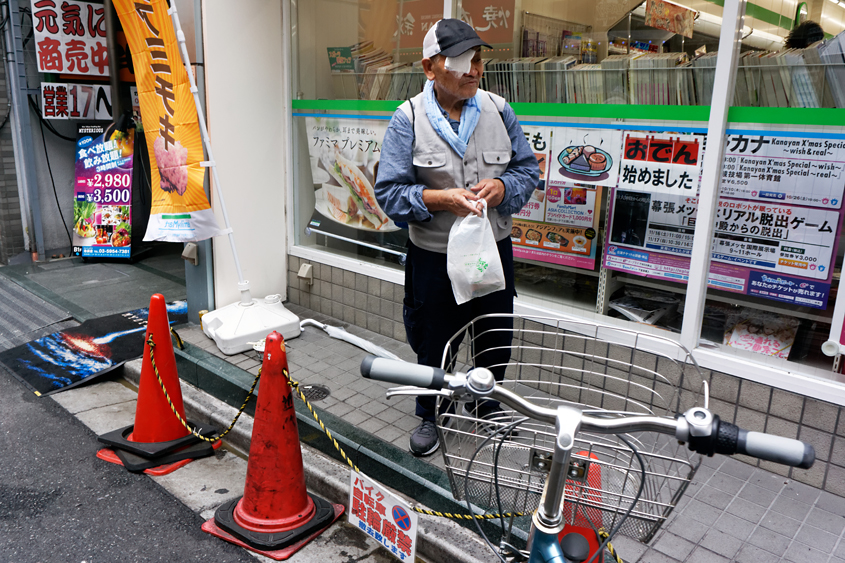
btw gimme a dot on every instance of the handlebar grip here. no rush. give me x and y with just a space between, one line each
776 448
402 373
728 439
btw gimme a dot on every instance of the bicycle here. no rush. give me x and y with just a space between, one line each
572 462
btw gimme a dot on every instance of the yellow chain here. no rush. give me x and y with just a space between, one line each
295 386
609 547
173 408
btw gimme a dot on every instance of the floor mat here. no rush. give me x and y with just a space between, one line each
67 358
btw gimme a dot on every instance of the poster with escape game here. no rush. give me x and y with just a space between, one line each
344 156
558 225
763 247
102 220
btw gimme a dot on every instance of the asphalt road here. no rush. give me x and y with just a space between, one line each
58 502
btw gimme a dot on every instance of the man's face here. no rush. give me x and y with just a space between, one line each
463 87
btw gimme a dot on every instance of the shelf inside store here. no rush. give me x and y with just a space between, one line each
777 307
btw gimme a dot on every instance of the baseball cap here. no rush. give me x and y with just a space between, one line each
450 38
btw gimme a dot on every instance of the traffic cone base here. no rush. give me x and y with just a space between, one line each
113 456
122 439
276 553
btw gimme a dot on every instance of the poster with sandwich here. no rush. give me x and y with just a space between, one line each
344 155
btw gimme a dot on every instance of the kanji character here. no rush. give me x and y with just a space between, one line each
61 101
76 56
46 17
669 207
389 531
374 520
403 541
73 23
100 57
629 174
656 205
358 509
49 56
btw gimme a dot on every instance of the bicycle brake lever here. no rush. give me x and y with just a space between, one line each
418 392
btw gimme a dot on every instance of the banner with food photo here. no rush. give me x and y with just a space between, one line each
102 211
180 211
344 156
585 156
559 223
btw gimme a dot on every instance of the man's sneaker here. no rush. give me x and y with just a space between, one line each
424 439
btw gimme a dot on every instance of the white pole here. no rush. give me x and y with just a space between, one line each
723 89
243 285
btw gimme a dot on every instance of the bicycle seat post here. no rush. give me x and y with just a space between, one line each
549 515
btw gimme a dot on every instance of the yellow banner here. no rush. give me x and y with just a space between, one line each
180 210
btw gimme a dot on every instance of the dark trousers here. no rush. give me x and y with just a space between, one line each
432 317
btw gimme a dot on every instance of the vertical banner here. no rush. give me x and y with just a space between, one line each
180 210
102 221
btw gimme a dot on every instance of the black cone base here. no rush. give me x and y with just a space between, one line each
117 439
323 517
136 463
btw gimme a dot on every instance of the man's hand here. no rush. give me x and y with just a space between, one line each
493 190
459 201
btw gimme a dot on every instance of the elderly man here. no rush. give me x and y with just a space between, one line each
445 150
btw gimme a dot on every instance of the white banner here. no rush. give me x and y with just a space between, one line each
70 37
76 101
383 516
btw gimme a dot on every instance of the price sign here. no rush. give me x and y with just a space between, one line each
102 220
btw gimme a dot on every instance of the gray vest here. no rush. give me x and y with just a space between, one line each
438 166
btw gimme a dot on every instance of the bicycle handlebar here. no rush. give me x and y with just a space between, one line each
703 432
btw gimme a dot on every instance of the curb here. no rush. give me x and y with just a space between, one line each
440 540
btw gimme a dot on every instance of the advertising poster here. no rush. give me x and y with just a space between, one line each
669 16
558 225
180 211
787 170
779 252
344 157
76 101
493 21
70 37
662 163
383 516
102 214
585 156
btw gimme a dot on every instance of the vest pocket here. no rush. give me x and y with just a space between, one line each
496 157
430 159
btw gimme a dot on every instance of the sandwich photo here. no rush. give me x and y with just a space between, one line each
362 199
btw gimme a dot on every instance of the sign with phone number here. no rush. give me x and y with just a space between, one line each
102 220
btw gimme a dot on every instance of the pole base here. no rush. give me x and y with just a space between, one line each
277 554
121 439
159 466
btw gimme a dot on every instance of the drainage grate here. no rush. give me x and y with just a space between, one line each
315 392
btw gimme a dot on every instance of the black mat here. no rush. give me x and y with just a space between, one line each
65 359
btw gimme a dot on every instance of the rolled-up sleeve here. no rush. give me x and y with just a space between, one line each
397 190
523 173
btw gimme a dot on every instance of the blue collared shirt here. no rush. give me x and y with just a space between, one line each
399 194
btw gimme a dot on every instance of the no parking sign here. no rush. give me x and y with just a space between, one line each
383 516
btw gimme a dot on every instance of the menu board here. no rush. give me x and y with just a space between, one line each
559 223
102 220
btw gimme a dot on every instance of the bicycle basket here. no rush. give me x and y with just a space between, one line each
605 371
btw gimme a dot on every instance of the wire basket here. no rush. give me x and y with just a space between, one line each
604 371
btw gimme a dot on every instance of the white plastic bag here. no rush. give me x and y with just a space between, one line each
472 258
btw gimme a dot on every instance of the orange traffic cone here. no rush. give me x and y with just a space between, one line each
276 516
157 443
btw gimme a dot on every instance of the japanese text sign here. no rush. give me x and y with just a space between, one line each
660 163
789 170
340 58
76 101
70 37
180 210
382 516
492 19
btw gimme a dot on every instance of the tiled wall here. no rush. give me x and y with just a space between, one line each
377 305
11 231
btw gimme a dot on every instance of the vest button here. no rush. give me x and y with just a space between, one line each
429 163
467 184
497 158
